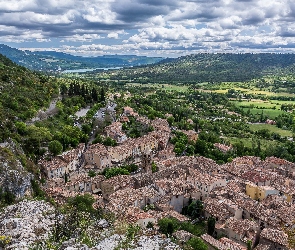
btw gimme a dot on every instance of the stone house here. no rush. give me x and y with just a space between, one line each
204 182
259 192
241 231
55 168
98 156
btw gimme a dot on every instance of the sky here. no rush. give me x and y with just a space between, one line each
166 28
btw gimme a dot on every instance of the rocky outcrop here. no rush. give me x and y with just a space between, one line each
114 242
13 176
26 223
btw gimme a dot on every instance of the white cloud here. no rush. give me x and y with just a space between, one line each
156 26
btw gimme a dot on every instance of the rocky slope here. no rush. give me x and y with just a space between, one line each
26 222
28 225
13 176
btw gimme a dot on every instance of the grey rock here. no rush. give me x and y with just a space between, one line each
102 223
26 222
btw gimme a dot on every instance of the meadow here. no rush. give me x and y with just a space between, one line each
271 128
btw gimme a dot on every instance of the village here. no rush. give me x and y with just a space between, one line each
252 200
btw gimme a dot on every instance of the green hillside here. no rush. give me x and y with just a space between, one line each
213 68
22 94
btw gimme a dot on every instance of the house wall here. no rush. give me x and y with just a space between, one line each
263 193
238 214
177 202
106 189
251 191
143 222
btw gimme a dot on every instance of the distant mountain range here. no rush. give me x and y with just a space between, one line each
58 61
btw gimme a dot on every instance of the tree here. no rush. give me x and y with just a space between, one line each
91 173
154 167
170 120
197 244
249 245
66 178
211 225
37 191
21 127
167 225
55 147
201 147
110 172
102 95
94 95
82 203
150 225
109 142
63 89
6 197
86 128
195 209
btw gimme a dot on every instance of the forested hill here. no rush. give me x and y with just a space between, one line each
22 94
214 68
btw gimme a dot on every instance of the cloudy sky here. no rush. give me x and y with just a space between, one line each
148 27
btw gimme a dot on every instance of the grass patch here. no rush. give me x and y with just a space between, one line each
271 128
257 103
270 113
248 142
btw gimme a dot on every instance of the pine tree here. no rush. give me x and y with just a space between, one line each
102 95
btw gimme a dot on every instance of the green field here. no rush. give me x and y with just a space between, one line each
271 128
248 142
258 104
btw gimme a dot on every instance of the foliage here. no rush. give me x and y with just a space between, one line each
4 240
149 207
249 245
130 167
131 232
196 229
197 244
55 147
76 219
98 139
82 203
154 167
23 93
211 225
6 197
180 141
150 225
168 226
291 235
194 209
37 191
110 172
91 173
108 141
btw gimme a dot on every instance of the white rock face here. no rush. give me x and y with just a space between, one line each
26 222
155 242
109 243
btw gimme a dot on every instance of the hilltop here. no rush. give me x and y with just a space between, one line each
58 61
